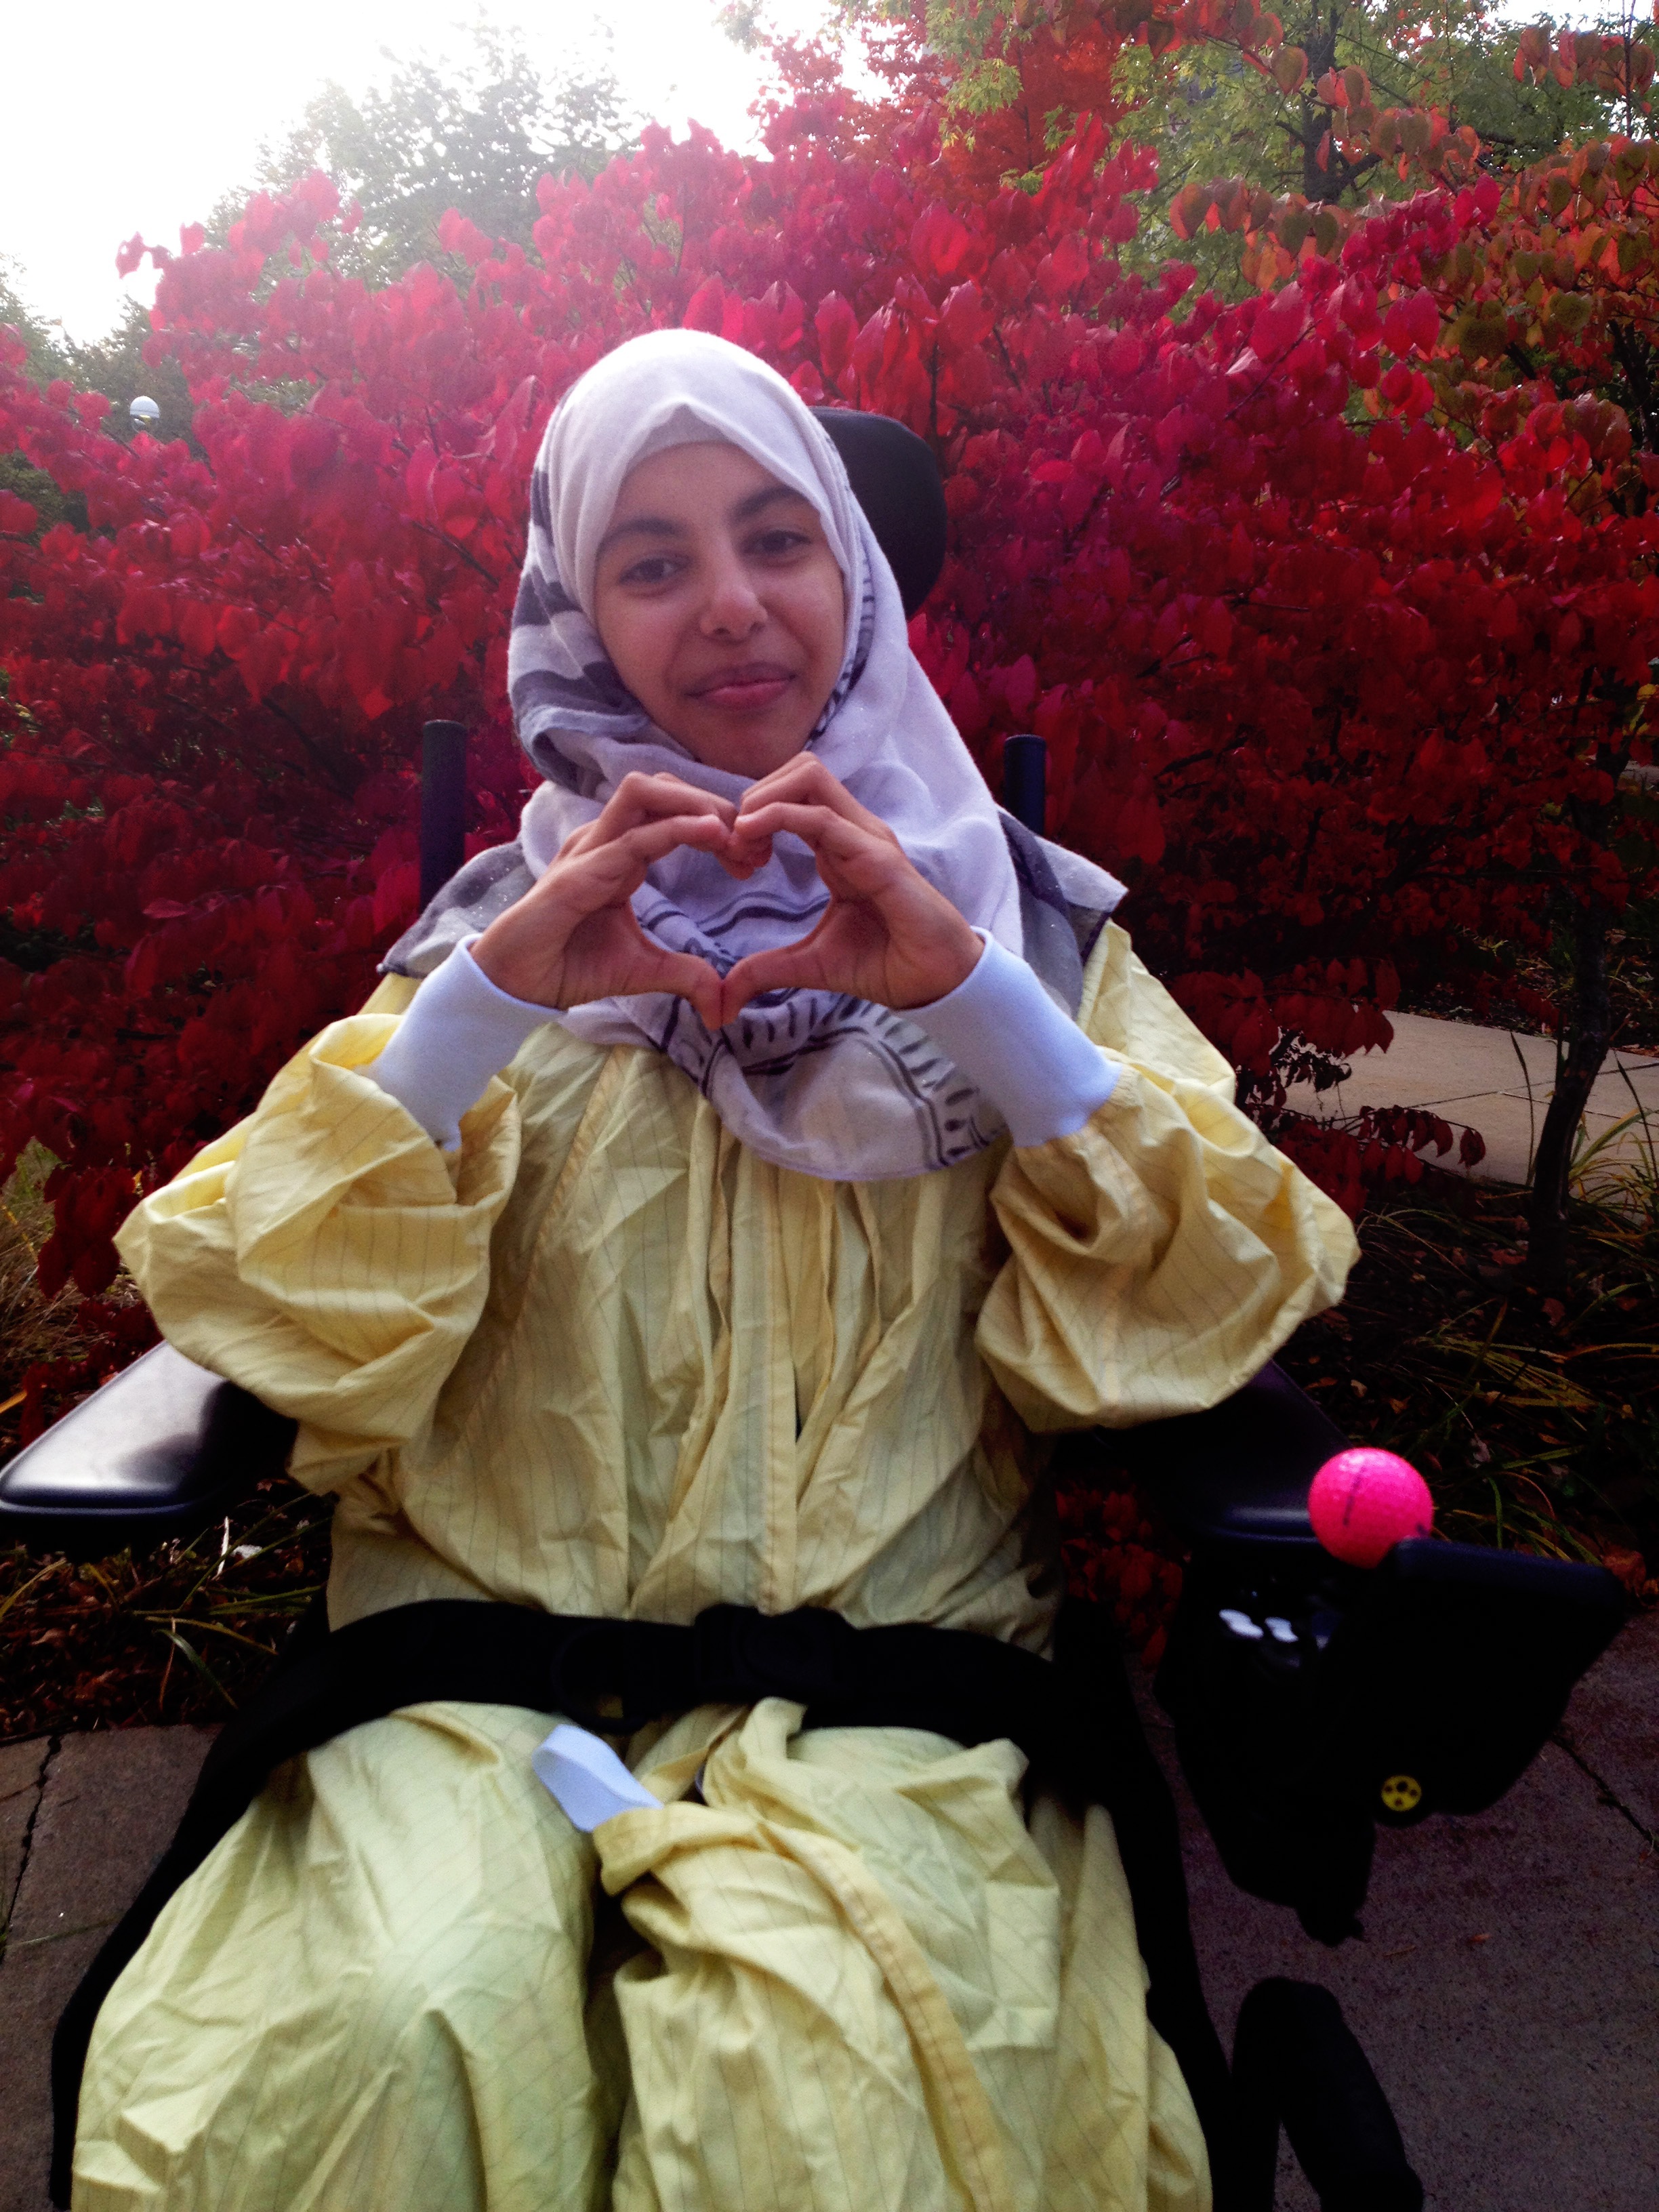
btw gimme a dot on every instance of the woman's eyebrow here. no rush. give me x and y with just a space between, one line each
661 525
642 526
769 496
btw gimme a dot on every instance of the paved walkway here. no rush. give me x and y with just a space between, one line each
82 1822
1494 1080
1505 1990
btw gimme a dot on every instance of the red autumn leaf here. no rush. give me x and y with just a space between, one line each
1412 324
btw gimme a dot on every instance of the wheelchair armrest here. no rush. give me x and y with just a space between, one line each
163 1448
1236 1475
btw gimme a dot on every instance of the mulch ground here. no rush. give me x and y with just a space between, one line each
1535 1418
1523 989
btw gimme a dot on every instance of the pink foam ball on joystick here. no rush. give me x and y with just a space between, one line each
1365 1502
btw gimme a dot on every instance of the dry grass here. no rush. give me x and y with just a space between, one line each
182 1633
31 1327
48 1335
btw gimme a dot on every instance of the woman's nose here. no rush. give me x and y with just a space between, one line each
732 607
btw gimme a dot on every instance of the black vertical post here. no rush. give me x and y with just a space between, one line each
1025 781
443 804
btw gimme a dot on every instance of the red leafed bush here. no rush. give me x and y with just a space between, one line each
1114 1557
1333 691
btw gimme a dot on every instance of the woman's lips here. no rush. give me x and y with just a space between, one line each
755 686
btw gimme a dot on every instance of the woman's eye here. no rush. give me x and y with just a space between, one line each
656 568
771 543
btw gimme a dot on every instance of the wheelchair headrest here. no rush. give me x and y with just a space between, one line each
895 481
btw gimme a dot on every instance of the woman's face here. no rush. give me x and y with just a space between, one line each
721 606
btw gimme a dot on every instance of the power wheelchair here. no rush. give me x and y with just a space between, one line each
1311 1700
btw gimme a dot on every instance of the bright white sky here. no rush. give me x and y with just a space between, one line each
109 131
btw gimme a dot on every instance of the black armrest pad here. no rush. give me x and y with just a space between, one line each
1238 1473
160 1450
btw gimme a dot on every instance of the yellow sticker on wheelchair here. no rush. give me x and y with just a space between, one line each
1403 1793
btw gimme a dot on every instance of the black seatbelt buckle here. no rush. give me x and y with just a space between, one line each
742 1656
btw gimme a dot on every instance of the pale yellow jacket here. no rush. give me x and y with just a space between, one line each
604 1360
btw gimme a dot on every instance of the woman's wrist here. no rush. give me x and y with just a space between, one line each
951 960
511 961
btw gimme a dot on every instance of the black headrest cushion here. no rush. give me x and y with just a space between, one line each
895 481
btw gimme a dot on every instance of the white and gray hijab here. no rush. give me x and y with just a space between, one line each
811 1080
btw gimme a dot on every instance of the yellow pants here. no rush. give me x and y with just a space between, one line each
856 1979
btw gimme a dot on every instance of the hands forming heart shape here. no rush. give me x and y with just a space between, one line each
886 935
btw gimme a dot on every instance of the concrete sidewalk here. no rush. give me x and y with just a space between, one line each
1496 1081
83 1821
1505 1990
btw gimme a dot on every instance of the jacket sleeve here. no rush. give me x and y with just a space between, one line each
1158 1257
326 1254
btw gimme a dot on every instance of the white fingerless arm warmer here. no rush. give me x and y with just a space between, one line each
459 1031
1018 1049
998 1026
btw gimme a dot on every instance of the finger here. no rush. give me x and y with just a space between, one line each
608 872
692 979
664 792
830 833
786 967
744 864
629 962
805 781
639 799
804 778
787 771
651 841
747 851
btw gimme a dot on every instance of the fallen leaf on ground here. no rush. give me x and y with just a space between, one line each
1629 1567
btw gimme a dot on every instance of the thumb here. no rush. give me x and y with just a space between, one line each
694 980
787 966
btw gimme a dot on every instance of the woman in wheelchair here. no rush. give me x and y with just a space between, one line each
735 1181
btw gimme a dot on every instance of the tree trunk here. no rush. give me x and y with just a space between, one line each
1591 1027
